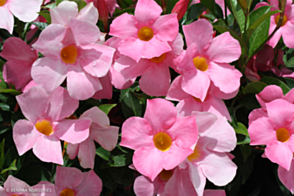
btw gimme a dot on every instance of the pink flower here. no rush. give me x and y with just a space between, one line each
72 53
146 34
71 181
20 58
286 176
287 27
206 61
274 128
46 124
100 131
187 103
161 140
26 11
153 72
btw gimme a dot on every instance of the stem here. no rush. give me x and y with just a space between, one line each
226 14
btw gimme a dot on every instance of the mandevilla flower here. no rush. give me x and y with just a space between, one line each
26 11
161 140
46 123
145 35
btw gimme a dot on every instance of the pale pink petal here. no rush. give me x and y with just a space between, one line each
160 114
118 81
290 96
124 26
147 161
279 153
146 11
224 49
98 117
44 185
276 37
106 137
61 104
136 133
280 112
216 106
268 94
219 73
156 75
154 48
73 131
143 186
106 92
35 98
48 149
13 183
7 20
27 87
286 177
16 49
215 91
48 73
166 27
24 136
197 177
86 154
26 11
89 13
288 34
72 150
3 191
96 59
67 177
187 106
256 114
261 131
84 32
80 84
91 184
196 77
188 134
63 12
175 92
203 29
204 121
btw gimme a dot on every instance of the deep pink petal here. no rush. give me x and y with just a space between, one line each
106 92
136 133
187 106
148 161
73 131
124 26
24 136
118 81
256 114
86 154
61 104
288 34
203 29
48 73
80 84
224 49
147 11
106 137
156 75
26 11
261 131
143 186
279 153
286 177
215 91
91 184
160 114
7 20
155 48
67 177
268 94
290 96
166 27
63 12
36 98
196 77
276 37
219 73
216 106
48 149
175 92
212 192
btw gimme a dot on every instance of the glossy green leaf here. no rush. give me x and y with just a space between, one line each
243 139
10 91
193 13
254 87
40 25
2 154
58 1
50 6
270 80
131 104
170 4
289 82
11 167
241 129
104 154
106 107
238 13
290 62
210 4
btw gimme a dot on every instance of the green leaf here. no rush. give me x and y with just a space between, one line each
254 87
10 91
4 107
238 13
241 129
246 151
131 104
290 62
193 13
11 167
81 4
40 25
289 82
2 154
50 6
258 16
104 154
46 15
210 4
243 139
58 1
170 4
270 80
106 107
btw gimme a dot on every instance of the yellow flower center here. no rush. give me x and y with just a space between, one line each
2 2
165 174
44 127
278 18
195 155
158 59
283 134
69 54
67 192
200 63
145 33
162 141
